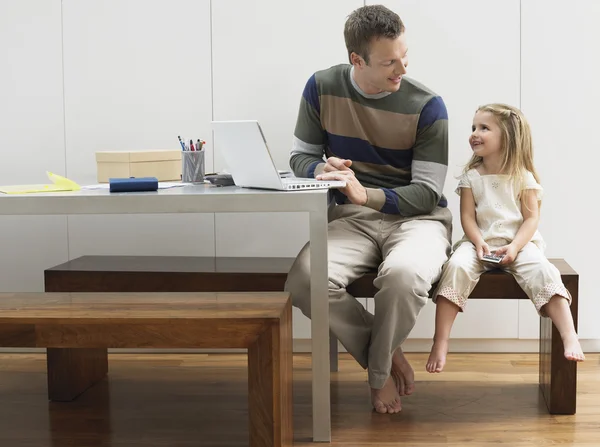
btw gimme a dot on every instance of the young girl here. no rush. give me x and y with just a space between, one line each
500 198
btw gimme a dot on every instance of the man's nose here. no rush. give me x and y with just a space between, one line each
401 68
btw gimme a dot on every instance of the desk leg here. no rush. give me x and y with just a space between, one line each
320 325
558 376
333 353
71 371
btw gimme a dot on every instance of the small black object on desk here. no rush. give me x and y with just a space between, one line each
133 184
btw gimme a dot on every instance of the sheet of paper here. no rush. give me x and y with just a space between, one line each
59 183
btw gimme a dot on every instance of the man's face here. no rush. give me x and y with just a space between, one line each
388 60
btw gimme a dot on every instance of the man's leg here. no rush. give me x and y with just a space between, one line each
413 256
352 252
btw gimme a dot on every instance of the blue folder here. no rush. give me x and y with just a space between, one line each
133 184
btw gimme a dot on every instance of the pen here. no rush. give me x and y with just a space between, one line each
192 145
181 143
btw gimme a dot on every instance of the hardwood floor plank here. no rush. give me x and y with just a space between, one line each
159 400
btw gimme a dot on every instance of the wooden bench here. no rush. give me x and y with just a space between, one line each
77 329
558 377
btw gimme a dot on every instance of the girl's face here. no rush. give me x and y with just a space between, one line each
486 137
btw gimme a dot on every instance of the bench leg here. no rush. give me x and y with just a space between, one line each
71 371
270 385
333 353
558 376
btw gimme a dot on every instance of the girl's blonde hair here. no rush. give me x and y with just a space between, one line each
516 141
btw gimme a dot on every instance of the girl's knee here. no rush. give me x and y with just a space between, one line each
460 263
449 296
551 294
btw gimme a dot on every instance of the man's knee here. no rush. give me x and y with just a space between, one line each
407 280
298 282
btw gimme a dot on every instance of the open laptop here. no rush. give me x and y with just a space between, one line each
249 161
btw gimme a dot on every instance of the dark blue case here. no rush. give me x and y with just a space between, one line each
133 184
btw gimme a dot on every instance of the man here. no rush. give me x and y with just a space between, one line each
387 137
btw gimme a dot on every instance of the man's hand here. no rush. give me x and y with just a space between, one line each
509 251
353 189
337 164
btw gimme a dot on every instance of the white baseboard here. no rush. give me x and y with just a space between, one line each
469 345
411 345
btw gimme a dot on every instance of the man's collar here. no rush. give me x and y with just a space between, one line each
361 92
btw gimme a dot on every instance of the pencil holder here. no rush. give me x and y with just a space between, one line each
192 166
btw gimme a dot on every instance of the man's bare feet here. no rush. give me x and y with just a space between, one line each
573 349
437 357
386 400
403 373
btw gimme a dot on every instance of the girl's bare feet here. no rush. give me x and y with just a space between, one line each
559 312
573 349
437 357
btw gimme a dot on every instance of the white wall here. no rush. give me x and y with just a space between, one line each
31 135
78 77
137 75
262 57
560 95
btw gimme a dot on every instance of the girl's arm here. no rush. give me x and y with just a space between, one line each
468 220
531 217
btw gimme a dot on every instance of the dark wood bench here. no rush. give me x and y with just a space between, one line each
77 329
558 377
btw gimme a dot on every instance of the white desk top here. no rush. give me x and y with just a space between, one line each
182 199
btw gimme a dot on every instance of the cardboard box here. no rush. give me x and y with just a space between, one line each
164 165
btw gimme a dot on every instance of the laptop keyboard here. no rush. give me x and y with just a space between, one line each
296 183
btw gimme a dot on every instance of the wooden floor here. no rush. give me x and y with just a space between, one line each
200 400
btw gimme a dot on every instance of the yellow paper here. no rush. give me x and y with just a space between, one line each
59 183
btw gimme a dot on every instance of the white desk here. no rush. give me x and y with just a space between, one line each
210 199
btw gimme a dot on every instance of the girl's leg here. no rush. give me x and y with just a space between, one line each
559 312
459 276
541 280
445 313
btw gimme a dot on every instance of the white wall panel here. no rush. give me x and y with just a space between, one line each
137 75
31 135
560 97
264 51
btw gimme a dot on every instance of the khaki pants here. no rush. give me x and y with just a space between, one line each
409 254
537 276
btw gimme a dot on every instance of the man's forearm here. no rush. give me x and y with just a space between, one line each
306 166
410 200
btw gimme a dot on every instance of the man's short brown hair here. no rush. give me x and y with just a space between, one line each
368 23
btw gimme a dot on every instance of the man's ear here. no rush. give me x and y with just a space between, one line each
357 60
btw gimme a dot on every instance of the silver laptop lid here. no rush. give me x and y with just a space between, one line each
246 154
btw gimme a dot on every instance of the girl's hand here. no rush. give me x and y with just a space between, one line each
482 249
509 251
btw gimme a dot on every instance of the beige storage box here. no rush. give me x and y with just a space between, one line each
164 165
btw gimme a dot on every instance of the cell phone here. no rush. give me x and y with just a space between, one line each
493 258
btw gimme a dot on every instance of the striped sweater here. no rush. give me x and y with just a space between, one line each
398 142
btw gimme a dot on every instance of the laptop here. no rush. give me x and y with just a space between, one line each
249 160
